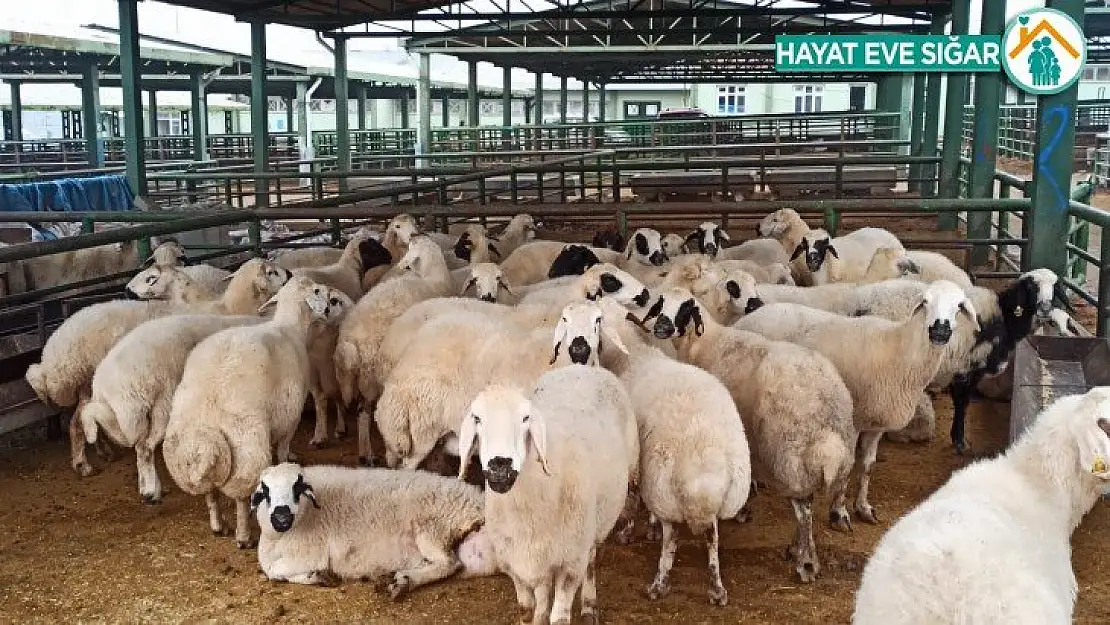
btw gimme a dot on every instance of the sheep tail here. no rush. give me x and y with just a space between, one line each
704 493
346 371
95 412
198 459
36 377
831 457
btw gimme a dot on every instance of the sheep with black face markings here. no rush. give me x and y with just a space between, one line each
240 396
360 255
694 459
539 453
540 260
322 524
844 258
886 365
993 544
796 410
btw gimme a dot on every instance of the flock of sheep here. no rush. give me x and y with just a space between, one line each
693 369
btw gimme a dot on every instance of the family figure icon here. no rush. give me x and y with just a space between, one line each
1044 67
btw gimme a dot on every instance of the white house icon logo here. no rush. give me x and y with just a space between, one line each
1043 51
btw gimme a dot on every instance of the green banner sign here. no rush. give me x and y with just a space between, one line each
887 53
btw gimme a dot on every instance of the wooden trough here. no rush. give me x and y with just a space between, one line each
1047 368
796 182
658 186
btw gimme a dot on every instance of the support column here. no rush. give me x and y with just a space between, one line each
405 111
152 113
585 102
953 120
507 97
17 110
562 99
423 109
917 127
90 114
199 109
289 121
929 136
260 133
601 95
304 138
342 114
984 140
360 104
472 117
537 117
129 62
445 114
1052 169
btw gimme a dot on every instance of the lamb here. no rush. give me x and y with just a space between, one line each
488 283
134 384
794 405
359 256
362 331
539 260
322 383
673 245
891 262
886 365
520 229
170 253
787 227
241 393
694 459
532 447
322 524
1015 513
248 288
843 259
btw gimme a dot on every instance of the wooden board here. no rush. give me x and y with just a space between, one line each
1047 368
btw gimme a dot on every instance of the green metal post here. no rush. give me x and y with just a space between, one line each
1052 169
17 110
152 113
289 118
360 104
342 115
537 119
199 108
90 114
562 99
601 102
405 111
424 108
507 96
929 136
984 141
445 114
953 121
585 102
917 127
129 64
472 118
260 133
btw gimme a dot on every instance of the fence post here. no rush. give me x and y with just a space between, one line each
254 236
953 122
984 143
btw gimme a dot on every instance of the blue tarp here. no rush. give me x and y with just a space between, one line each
99 193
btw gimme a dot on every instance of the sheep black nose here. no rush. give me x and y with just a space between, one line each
754 304
131 294
579 351
1044 308
657 258
500 474
711 249
488 298
813 262
281 518
641 300
940 332
664 328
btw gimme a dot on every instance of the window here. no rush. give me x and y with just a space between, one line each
632 109
730 100
807 98
857 98
168 124
640 109
1088 73
1102 73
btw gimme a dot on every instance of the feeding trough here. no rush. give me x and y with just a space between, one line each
1047 368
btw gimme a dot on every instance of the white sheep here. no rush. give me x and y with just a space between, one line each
359 256
844 258
993 544
240 395
413 528
362 331
134 384
673 245
796 410
787 227
322 383
520 230
759 251
248 288
890 262
305 257
774 273
488 282
536 261
885 364
694 459
534 447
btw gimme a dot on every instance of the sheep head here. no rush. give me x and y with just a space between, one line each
675 312
942 302
169 252
580 328
605 280
157 282
742 292
778 223
265 276
277 500
709 238
646 247
673 245
402 228
487 281
420 256
573 260
504 425
816 245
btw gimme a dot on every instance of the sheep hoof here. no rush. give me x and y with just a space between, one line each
589 618
84 469
317 443
399 586
962 448
658 590
327 578
340 434
654 533
840 521
807 572
152 500
222 531
718 596
368 461
745 515
866 513
249 543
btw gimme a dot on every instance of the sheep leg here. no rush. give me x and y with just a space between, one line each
284 454
839 518
540 616
960 390
340 420
654 534
669 545
717 593
243 524
525 598
867 450
589 590
312 578
921 428
365 451
320 435
566 587
804 549
631 506
78 460
439 563
215 519
150 489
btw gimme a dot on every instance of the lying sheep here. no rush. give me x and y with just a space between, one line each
694 459
795 407
844 258
362 331
993 544
240 395
248 288
134 384
533 446
412 528
359 256
886 365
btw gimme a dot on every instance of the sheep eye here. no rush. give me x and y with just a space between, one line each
334 301
151 279
477 419
526 418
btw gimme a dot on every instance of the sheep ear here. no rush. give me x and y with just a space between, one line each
468 435
920 306
798 251
466 287
262 493
724 235
699 327
537 429
493 250
501 283
832 250
560 334
1094 442
270 302
228 277
612 336
968 309
628 251
302 487
148 262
